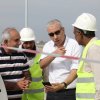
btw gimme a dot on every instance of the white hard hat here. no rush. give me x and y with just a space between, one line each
27 34
86 21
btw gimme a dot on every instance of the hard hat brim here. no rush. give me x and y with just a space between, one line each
28 39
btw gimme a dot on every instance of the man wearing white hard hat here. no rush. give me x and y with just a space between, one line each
36 89
28 42
88 83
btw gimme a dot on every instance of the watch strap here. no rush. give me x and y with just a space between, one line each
65 85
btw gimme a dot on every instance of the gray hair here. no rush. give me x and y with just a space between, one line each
53 22
6 34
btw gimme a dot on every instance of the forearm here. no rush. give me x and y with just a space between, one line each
72 76
27 75
11 85
46 61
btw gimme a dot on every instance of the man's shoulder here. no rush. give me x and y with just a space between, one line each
71 40
48 46
49 43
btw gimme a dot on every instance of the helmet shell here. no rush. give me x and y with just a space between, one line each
86 21
27 34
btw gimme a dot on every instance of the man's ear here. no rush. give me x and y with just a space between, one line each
5 41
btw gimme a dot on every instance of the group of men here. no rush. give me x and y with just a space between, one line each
70 79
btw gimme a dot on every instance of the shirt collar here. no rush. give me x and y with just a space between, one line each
93 39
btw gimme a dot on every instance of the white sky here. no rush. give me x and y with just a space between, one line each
12 14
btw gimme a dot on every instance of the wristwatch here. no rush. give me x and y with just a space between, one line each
65 85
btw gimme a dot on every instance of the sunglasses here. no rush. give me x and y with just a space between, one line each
55 33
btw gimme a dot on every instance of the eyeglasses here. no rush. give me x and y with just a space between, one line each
56 33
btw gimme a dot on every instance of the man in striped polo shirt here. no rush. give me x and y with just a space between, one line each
13 67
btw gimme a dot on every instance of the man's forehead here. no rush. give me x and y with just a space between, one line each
15 35
53 26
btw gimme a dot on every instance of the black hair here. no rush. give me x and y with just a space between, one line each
88 34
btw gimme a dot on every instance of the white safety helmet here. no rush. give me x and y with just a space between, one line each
27 34
86 21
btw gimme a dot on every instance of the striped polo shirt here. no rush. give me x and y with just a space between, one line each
11 69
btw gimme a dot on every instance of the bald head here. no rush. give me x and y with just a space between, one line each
53 23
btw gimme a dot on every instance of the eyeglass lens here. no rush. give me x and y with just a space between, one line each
56 33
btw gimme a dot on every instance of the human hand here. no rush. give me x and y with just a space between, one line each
60 50
23 84
55 87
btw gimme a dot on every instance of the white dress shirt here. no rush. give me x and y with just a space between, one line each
59 69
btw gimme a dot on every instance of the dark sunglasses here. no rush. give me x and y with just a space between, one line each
56 33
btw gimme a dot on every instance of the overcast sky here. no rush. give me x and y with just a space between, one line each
12 14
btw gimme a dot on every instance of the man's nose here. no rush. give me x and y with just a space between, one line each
55 36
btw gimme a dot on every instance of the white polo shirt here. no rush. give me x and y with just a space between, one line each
59 69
